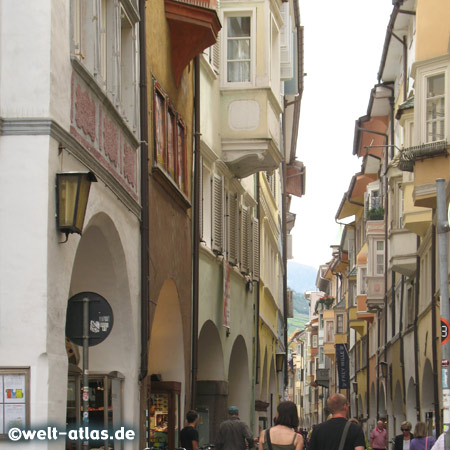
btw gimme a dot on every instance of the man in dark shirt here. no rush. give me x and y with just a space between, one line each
327 435
234 434
189 435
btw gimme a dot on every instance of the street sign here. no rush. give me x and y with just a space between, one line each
100 318
445 327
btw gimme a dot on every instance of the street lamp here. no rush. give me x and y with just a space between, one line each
72 192
279 360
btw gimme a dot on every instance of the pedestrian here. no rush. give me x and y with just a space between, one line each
328 435
233 433
189 434
356 421
403 441
282 436
440 442
421 440
378 437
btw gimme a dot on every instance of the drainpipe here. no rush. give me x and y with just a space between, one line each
402 342
145 232
434 336
196 232
416 334
145 235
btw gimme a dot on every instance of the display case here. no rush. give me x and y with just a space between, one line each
163 415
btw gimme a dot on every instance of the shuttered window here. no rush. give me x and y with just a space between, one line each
217 214
245 230
233 228
255 248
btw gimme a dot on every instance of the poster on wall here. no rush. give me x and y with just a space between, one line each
14 416
14 388
13 399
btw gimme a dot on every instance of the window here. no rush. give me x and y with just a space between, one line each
339 323
435 108
104 41
321 356
362 281
314 340
329 331
379 257
170 140
238 49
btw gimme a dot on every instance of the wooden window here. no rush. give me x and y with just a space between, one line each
170 140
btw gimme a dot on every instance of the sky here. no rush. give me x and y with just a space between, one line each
343 44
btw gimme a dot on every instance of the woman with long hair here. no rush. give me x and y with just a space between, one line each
283 435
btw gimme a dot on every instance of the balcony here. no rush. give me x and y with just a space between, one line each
402 249
193 26
375 292
251 140
355 322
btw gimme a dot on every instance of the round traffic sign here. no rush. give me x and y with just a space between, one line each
100 318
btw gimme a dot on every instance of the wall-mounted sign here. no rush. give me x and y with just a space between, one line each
100 318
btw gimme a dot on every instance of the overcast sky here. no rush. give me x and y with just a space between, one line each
342 53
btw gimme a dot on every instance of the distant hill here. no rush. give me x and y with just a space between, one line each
300 278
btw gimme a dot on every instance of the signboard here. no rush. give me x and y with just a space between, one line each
342 366
444 331
100 318
323 377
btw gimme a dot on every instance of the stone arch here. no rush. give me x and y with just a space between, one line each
397 408
273 391
239 388
100 266
264 381
382 412
411 412
210 353
373 401
427 389
168 340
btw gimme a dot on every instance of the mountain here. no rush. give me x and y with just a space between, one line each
301 278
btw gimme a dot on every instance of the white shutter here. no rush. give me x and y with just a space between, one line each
245 263
200 206
255 249
217 215
233 221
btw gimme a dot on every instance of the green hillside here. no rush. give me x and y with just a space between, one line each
301 313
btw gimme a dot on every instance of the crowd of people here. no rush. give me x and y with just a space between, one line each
336 433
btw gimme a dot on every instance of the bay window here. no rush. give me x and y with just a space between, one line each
435 108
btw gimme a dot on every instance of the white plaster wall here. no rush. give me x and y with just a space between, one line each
36 271
25 34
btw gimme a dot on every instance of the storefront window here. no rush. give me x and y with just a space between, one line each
105 407
163 415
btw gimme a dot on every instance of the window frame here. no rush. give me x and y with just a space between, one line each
422 71
163 109
223 70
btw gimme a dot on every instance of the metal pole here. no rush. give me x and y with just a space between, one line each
85 364
442 229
